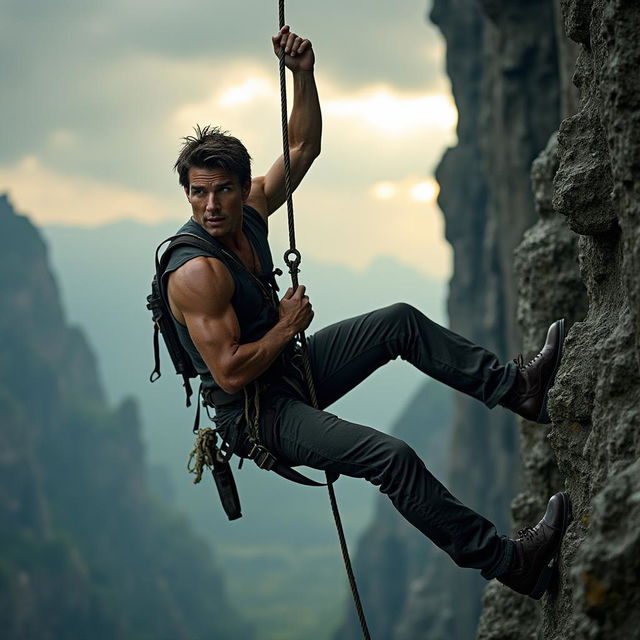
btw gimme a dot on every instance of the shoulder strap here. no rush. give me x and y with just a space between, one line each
184 239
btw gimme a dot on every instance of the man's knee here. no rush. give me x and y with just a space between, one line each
399 313
395 459
401 452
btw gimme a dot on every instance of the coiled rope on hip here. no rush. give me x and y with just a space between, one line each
292 259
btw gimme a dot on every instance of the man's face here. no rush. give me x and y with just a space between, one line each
216 199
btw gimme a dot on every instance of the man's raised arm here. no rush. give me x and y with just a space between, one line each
305 125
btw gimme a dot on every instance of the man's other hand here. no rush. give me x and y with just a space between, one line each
299 54
295 309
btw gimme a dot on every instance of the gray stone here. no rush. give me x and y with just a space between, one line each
594 444
577 257
504 74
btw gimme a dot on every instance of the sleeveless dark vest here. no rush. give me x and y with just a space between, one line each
254 300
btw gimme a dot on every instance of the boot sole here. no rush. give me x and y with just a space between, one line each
568 517
548 572
543 583
543 416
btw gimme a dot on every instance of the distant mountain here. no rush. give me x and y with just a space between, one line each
105 275
85 550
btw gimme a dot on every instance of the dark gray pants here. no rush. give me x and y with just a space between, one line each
342 356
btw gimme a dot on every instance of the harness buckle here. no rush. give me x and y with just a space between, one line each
263 458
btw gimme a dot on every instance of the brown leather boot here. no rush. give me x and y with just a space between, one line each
530 572
529 393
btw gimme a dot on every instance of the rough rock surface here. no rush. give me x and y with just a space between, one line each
84 551
505 65
550 287
593 447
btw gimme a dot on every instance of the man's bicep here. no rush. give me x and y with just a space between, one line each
273 186
216 337
203 293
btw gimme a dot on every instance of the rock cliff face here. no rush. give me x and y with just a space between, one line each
505 83
593 448
502 58
508 66
84 552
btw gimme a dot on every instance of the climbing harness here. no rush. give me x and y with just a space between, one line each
292 258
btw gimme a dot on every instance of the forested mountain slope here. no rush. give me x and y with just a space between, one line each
85 552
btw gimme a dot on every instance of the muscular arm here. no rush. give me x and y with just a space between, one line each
200 296
305 126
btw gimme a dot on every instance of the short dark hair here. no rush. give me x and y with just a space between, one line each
211 147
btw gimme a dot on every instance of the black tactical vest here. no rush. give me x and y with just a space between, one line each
254 300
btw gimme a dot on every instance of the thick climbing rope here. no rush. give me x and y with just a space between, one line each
292 259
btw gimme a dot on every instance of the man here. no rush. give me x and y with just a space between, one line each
241 340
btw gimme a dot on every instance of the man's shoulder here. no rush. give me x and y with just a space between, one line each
194 261
201 277
201 267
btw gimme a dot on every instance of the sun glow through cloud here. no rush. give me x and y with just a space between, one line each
380 108
425 191
411 188
251 89
384 190
393 112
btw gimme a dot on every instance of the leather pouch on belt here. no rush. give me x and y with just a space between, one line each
226 486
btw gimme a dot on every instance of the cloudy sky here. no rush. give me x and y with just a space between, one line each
96 96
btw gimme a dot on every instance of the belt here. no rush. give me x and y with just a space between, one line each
216 397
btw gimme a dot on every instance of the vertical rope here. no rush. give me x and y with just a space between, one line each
292 258
293 267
